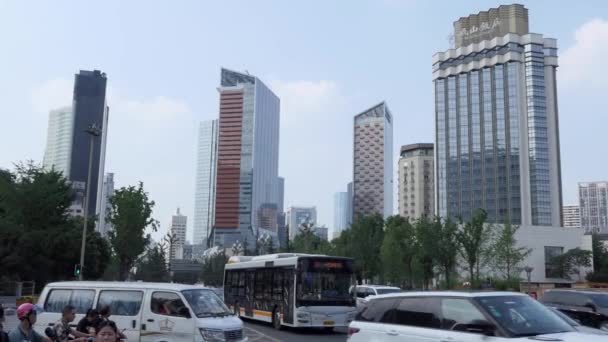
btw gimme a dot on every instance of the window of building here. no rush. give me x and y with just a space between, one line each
552 267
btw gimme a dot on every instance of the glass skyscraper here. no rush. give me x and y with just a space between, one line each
204 196
497 133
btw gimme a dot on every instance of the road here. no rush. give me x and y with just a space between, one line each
261 332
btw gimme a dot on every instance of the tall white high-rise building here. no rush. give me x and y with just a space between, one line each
572 216
416 190
593 201
204 196
178 229
107 190
59 141
341 219
296 216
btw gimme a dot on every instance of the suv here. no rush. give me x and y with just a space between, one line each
590 308
461 317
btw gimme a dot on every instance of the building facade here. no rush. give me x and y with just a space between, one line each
248 156
322 233
373 162
204 193
497 137
416 190
593 201
349 194
178 230
341 219
103 225
59 141
297 216
572 216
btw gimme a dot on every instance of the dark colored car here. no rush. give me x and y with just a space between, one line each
589 308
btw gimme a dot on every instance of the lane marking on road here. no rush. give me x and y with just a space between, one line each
262 335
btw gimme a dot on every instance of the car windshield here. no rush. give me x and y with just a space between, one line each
523 316
385 291
205 303
325 287
600 300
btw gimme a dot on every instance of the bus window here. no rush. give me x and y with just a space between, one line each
277 285
241 284
259 284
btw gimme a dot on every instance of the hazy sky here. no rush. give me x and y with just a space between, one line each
326 60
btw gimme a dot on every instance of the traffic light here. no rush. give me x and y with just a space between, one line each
77 270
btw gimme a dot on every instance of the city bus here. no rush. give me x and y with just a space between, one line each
296 290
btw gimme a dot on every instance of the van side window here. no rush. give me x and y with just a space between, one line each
122 303
168 304
418 312
81 300
457 313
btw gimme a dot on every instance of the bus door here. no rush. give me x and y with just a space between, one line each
289 282
249 283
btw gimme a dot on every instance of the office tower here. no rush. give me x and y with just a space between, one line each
497 137
572 216
248 156
204 194
297 216
178 230
593 201
59 141
349 192
89 109
321 232
341 220
416 191
107 191
373 162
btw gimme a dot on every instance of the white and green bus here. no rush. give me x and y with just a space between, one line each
296 290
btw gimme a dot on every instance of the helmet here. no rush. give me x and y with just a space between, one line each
25 310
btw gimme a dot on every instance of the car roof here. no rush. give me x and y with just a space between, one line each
468 294
379 286
584 291
124 285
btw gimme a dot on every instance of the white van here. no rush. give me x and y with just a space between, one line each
148 312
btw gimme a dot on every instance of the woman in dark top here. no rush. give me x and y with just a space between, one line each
87 323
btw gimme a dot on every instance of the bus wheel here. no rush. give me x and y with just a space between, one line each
276 319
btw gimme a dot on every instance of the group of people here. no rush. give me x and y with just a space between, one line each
95 326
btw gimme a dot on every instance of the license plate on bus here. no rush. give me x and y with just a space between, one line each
328 323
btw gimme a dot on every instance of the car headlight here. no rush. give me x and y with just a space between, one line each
304 315
213 335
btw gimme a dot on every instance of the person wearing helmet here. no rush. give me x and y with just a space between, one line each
26 313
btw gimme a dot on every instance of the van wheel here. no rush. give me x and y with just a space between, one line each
276 319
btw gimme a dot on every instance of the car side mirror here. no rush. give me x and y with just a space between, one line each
184 312
591 306
481 327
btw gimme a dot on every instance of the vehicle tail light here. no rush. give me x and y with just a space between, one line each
352 331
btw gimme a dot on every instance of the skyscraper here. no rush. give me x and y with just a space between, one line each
572 216
107 190
59 141
593 201
416 191
297 216
341 219
373 162
248 156
497 137
89 107
178 229
349 193
204 194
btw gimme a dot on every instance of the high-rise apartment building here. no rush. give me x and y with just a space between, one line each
497 137
416 189
204 194
297 216
178 230
107 190
572 216
373 162
59 141
593 201
248 156
341 219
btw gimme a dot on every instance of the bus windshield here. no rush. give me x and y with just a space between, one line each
324 288
205 303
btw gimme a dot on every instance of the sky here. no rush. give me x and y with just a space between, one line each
326 60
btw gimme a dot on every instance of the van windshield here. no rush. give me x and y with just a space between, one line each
205 303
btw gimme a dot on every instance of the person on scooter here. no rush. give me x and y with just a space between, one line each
62 328
26 313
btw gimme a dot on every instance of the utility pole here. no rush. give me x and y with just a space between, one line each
93 132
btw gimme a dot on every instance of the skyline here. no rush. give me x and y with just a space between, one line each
320 94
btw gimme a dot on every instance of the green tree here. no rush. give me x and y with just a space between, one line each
130 215
447 248
600 255
398 250
153 267
341 246
507 256
577 260
212 271
472 237
305 240
426 248
367 236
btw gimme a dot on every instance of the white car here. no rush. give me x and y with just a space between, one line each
461 317
362 292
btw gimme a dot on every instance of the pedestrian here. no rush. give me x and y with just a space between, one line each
3 334
105 312
62 328
26 313
106 331
87 323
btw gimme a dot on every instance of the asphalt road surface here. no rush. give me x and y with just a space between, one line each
263 332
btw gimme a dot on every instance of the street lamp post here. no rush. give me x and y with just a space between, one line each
528 270
93 132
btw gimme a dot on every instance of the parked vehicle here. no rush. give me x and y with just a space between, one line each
149 312
588 307
362 292
576 325
461 317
